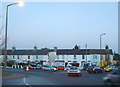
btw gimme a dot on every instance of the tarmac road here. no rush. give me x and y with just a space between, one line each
39 77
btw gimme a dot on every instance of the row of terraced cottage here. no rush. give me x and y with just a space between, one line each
62 56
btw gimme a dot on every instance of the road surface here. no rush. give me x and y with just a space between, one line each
39 77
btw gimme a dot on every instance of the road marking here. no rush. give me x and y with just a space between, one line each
24 80
26 84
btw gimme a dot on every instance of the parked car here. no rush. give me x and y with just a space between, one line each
85 67
110 68
30 67
113 78
94 69
49 68
60 67
38 67
67 67
74 71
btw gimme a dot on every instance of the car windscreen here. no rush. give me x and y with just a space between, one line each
107 67
46 66
97 67
90 67
73 68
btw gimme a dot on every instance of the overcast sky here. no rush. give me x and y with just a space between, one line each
62 24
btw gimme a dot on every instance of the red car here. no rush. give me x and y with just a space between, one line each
30 67
60 67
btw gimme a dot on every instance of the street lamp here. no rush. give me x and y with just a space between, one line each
100 40
5 57
101 44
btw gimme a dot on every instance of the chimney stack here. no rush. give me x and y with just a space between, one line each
35 48
55 48
13 49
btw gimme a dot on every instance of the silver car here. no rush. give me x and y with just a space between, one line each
49 68
74 71
112 78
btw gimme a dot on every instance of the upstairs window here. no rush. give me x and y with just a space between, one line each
13 57
18 56
36 56
74 56
28 56
83 56
57 57
62 56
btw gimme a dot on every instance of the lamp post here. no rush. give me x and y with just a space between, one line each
100 40
101 44
5 56
86 53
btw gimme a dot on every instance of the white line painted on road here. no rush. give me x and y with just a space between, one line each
24 80
26 84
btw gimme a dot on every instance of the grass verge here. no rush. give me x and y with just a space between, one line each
5 74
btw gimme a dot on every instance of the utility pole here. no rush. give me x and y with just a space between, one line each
101 47
86 53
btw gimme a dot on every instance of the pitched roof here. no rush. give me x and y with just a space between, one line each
83 51
60 52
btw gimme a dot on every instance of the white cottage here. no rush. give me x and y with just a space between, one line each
64 57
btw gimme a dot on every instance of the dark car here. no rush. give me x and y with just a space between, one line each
94 69
113 78
85 67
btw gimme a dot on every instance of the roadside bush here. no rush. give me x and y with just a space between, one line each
104 64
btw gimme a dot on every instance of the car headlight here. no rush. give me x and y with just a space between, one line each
78 71
105 78
68 71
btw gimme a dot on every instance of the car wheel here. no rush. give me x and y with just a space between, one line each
97 71
89 72
52 70
69 75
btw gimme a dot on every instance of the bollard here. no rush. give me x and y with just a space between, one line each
15 66
18 66
27 68
21 67
12 66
